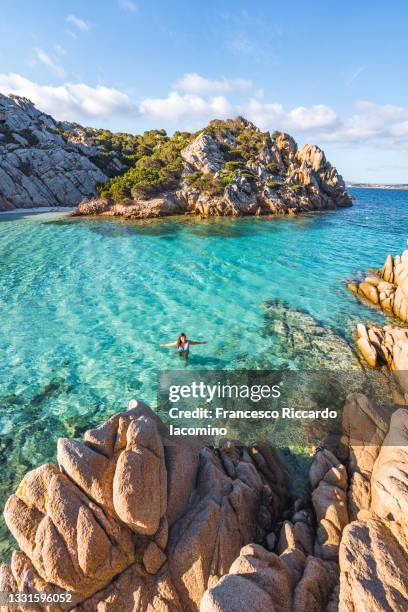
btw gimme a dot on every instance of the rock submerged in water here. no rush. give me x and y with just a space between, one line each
213 516
300 338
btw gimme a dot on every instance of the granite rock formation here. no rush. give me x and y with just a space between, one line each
38 167
383 346
231 168
386 346
129 517
387 288
132 522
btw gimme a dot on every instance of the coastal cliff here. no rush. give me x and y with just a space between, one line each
133 522
228 168
38 167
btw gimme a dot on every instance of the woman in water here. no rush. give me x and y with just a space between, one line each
183 345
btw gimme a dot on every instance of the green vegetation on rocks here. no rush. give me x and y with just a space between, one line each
156 165
207 183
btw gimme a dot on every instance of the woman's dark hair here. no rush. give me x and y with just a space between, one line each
182 335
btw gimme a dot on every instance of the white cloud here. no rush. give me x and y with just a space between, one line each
196 84
128 5
185 106
298 119
46 59
79 23
382 125
372 122
70 101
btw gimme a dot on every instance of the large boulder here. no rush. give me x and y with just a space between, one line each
389 481
203 154
128 478
373 563
257 580
387 288
221 518
364 427
69 539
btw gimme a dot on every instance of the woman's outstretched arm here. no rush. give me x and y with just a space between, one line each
169 344
195 342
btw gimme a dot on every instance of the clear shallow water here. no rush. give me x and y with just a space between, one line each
85 304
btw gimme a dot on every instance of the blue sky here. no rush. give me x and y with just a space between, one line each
329 73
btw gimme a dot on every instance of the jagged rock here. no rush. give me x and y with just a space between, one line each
389 481
373 564
37 166
114 477
72 537
100 526
182 462
364 427
165 206
203 154
328 478
200 547
388 288
257 580
21 576
287 147
135 590
314 590
385 346
69 539
271 176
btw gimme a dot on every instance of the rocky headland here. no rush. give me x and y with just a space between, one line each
228 168
130 521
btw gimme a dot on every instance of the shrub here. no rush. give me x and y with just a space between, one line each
219 128
272 167
226 178
248 175
250 142
156 165
207 183
233 166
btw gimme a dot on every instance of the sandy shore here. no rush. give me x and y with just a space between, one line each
20 211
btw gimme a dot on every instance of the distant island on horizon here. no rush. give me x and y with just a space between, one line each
377 185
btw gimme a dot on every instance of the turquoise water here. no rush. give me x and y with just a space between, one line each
85 304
